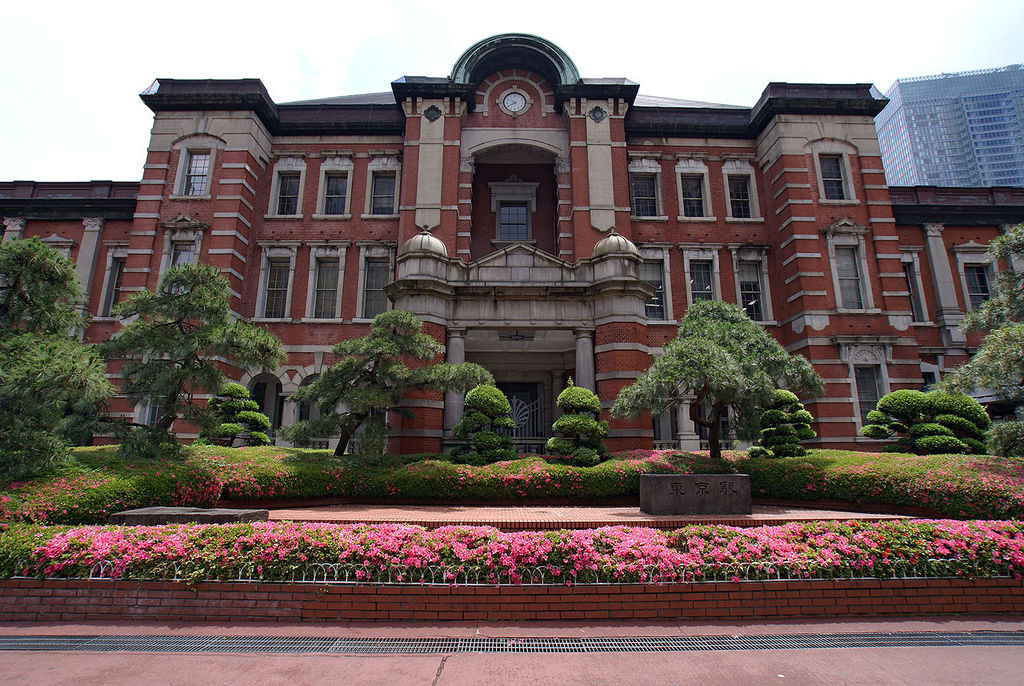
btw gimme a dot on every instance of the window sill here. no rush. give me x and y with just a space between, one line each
283 217
99 319
364 320
744 220
696 219
924 325
332 217
655 218
380 217
206 196
826 201
322 320
272 320
873 310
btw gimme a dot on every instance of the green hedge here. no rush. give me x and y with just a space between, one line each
96 484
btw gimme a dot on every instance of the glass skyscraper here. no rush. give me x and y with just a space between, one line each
963 129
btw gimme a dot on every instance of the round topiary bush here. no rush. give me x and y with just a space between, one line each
919 420
582 434
784 424
486 412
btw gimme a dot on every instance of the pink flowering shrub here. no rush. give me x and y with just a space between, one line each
283 550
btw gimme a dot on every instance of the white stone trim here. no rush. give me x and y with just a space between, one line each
849 234
186 147
286 165
702 253
321 252
740 168
382 163
845 151
275 250
661 252
689 166
975 254
371 250
646 166
759 255
335 164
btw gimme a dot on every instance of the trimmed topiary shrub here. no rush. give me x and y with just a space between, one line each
486 410
929 423
233 415
1006 439
783 425
581 434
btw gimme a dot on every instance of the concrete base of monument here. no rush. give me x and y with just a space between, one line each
674 494
149 516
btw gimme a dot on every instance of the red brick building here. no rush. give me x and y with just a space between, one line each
542 224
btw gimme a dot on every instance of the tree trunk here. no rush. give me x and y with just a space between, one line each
714 444
348 430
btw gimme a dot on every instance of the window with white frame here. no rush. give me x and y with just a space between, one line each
197 173
868 380
832 166
286 188
653 272
694 191
645 187
976 273
701 272
750 269
741 191
376 269
276 278
848 259
112 283
182 252
326 272
61 244
514 204
918 312
335 186
382 184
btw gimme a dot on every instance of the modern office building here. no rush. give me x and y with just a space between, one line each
963 129
542 224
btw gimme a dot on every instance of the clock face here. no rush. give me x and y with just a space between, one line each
514 102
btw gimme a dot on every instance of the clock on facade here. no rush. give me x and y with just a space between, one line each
514 102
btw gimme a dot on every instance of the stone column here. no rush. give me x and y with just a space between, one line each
688 438
85 267
14 228
453 400
585 359
289 415
949 310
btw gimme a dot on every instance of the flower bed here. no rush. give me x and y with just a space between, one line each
284 551
97 484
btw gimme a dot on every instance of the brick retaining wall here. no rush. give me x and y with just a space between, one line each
67 600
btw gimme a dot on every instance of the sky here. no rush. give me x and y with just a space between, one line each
71 72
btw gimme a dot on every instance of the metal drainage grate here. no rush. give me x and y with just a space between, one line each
392 646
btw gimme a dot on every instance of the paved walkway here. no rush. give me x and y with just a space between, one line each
543 518
795 667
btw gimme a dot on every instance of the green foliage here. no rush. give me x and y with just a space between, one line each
371 378
1006 438
486 410
51 385
785 423
172 341
581 433
940 445
232 413
913 416
719 358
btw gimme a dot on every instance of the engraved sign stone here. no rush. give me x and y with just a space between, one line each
671 494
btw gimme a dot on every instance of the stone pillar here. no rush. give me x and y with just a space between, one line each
14 228
85 267
688 438
585 359
453 400
949 315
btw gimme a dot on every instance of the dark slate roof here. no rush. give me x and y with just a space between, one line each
658 101
382 98
68 200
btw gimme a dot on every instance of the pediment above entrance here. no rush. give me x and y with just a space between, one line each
521 263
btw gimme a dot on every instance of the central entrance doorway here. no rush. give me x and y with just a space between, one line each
527 401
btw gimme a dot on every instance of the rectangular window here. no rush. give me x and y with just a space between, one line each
196 173
376 277
643 195
182 252
155 410
335 193
653 272
383 200
869 389
848 273
701 287
693 195
512 222
288 193
751 291
832 176
113 294
977 284
325 297
916 303
277 288
739 196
